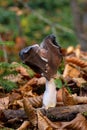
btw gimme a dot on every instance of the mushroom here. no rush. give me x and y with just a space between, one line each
45 60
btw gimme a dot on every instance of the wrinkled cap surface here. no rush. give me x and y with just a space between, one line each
44 58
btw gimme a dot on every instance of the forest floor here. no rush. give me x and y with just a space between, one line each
21 108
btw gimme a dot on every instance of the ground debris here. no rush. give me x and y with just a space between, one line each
22 108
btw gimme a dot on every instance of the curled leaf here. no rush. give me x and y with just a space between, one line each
36 101
42 123
76 61
67 98
24 125
79 123
70 72
30 111
73 99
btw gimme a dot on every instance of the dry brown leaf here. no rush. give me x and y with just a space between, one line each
41 81
54 125
70 50
31 82
79 123
79 99
59 95
79 81
24 125
15 100
45 124
4 103
36 81
13 78
28 86
42 123
29 94
76 61
21 70
30 111
67 98
26 90
20 103
83 55
14 96
36 101
78 51
16 104
70 71
84 69
73 99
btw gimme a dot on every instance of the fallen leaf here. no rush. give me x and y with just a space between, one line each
59 95
4 103
22 70
14 96
72 99
78 51
24 125
30 111
76 61
79 81
67 98
79 123
13 78
70 50
42 123
41 81
79 99
36 101
70 71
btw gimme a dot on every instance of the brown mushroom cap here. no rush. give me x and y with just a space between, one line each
44 59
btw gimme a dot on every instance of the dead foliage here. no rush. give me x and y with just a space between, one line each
21 108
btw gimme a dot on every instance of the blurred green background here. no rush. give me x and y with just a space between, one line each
26 22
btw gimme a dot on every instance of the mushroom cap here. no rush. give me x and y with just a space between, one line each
44 58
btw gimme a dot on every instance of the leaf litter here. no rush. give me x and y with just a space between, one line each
21 108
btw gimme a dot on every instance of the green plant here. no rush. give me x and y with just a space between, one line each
8 85
58 83
5 70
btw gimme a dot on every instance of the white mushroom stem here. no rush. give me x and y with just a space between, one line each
49 96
